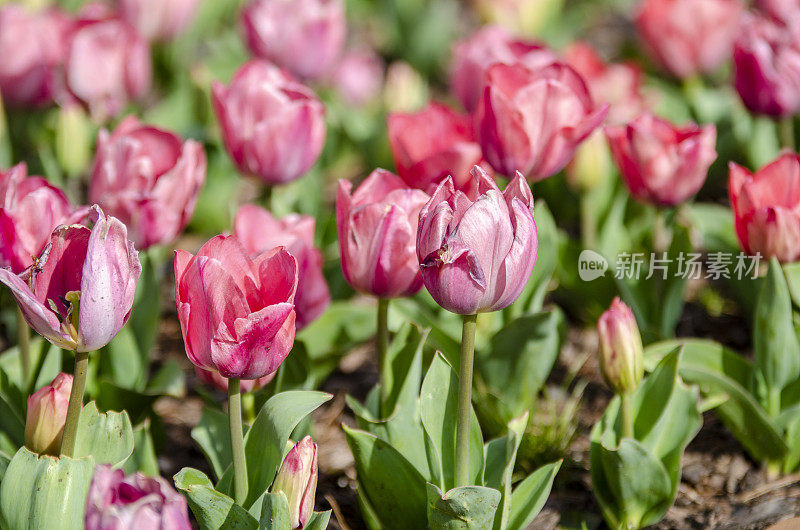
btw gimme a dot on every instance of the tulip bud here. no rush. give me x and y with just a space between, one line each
47 413
405 90
73 139
620 348
527 17
359 77
297 479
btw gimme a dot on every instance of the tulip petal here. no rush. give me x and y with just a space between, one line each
38 316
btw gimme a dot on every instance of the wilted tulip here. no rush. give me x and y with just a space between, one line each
297 479
431 144
79 292
303 36
47 413
476 255
359 77
149 179
258 231
689 37
532 121
620 348
376 226
661 163
158 20
30 209
273 127
766 205
490 45
221 383
236 312
117 502
767 66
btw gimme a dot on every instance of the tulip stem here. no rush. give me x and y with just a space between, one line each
627 414
381 347
24 347
786 132
465 399
265 197
75 404
237 440
588 224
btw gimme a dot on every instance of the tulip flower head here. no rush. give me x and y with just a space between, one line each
158 20
620 348
297 479
47 413
785 11
359 77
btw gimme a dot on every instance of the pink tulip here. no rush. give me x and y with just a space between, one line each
47 413
158 20
376 225
236 312
476 255
135 502
149 179
359 77
79 292
689 37
490 45
431 144
273 127
785 11
221 383
532 121
303 36
30 209
297 479
258 231
620 348
767 74
766 206
661 163
33 46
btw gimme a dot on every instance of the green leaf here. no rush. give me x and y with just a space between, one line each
146 307
169 380
212 509
12 408
275 513
318 521
501 455
715 224
403 367
213 436
530 495
107 436
468 507
121 361
45 365
144 457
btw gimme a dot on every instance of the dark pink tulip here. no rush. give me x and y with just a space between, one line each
661 163
490 45
431 144
377 224
273 127
30 209
236 312
221 383
158 20
297 479
91 272
303 36
767 60
135 502
149 179
359 77
766 206
258 231
46 416
532 121
786 11
689 37
476 255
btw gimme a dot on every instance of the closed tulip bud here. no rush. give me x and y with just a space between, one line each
79 292
661 163
117 502
304 36
359 77
766 207
258 231
528 17
149 178
488 46
158 20
273 127
689 37
74 137
47 413
219 382
405 90
236 312
431 144
533 121
376 225
297 479
620 348
477 253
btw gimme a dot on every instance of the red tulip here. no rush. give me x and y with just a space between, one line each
47 413
377 224
259 231
158 20
221 383
359 77
236 312
149 179
766 205
661 163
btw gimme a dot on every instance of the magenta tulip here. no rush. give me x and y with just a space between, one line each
273 127
532 121
47 413
621 361
135 502
236 312
149 179
477 254
359 77
661 163
79 292
258 231
221 383
377 224
297 479
158 20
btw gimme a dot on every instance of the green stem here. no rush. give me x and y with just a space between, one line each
661 234
786 132
588 221
237 441
249 407
265 196
24 346
75 404
774 402
627 415
465 399
382 346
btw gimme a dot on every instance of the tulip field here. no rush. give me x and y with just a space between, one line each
399 264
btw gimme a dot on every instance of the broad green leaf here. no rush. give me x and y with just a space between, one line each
530 495
169 380
275 514
146 309
45 365
144 457
213 436
445 327
106 436
318 521
402 371
715 224
4 461
501 455
12 410
212 509
342 323
467 507
121 361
